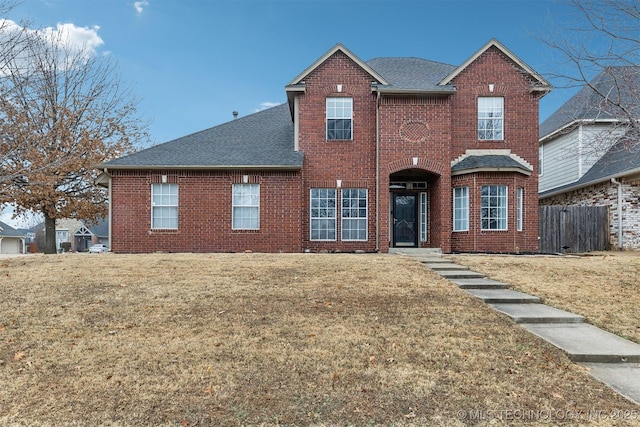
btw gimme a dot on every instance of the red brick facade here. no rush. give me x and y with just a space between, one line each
403 144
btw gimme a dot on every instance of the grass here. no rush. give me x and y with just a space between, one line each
603 287
256 339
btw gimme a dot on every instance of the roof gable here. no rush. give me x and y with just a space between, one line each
589 103
540 83
338 47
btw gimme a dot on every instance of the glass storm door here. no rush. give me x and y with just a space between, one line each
405 213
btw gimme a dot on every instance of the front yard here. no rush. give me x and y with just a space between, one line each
288 339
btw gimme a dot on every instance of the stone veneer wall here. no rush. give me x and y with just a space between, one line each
606 194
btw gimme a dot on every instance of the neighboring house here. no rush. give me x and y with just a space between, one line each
12 241
590 156
364 156
80 235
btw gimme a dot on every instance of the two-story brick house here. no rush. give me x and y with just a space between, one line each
364 156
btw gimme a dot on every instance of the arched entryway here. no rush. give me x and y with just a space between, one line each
411 199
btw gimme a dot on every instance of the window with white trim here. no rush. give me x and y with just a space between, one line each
493 210
423 217
164 206
461 209
323 214
520 212
354 214
339 118
490 118
246 207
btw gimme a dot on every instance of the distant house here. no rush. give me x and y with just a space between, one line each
590 156
364 156
12 241
79 235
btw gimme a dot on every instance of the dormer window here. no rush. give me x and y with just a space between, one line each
491 118
339 118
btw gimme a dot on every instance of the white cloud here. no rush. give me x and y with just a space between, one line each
140 5
266 105
73 36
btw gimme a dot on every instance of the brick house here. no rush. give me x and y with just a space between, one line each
364 156
590 156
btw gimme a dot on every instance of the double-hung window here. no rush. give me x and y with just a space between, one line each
461 209
354 214
490 118
339 118
493 210
323 214
246 207
164 206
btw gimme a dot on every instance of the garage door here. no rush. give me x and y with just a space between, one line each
10 245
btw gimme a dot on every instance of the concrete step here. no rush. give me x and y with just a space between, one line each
479 283
537 313
622 377
497 296
445 266
586 343
433 260
460 274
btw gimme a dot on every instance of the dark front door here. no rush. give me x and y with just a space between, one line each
405 225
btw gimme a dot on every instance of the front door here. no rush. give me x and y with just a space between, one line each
405 224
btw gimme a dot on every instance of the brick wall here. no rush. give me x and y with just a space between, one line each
204 213
353 162
606 194
520 136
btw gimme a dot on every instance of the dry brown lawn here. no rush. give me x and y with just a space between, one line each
603 287
255 339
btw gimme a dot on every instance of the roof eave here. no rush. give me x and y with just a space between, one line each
331 52
202 167
582 185
396 91
543 85
574 123
491 169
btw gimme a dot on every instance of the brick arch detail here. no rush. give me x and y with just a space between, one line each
407 163
498 89
332 90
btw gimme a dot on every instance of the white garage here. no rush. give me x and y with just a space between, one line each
11 240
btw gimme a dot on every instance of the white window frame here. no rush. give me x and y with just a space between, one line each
494 208
353 212
423 217
245 207
541 160
322 214
339 108
519 210
490 118
164 206
461 209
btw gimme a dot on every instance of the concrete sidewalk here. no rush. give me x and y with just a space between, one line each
607 357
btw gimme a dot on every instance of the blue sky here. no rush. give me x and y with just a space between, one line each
193 62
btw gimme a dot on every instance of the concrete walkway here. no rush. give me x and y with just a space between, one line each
607 357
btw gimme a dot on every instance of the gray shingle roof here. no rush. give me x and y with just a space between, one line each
488 162
260 140
622 158
8 231
412 73
587 104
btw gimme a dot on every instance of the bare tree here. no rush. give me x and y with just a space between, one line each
600 52
63 110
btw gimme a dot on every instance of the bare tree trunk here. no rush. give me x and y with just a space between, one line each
49 235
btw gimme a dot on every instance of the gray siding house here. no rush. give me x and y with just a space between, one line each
590 154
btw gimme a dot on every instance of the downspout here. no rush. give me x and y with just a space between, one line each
619 184
110 210
378 171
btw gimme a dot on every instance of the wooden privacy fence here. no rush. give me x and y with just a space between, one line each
573 229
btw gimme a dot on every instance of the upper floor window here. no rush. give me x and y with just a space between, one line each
339 118
164 206
246 207
490 118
